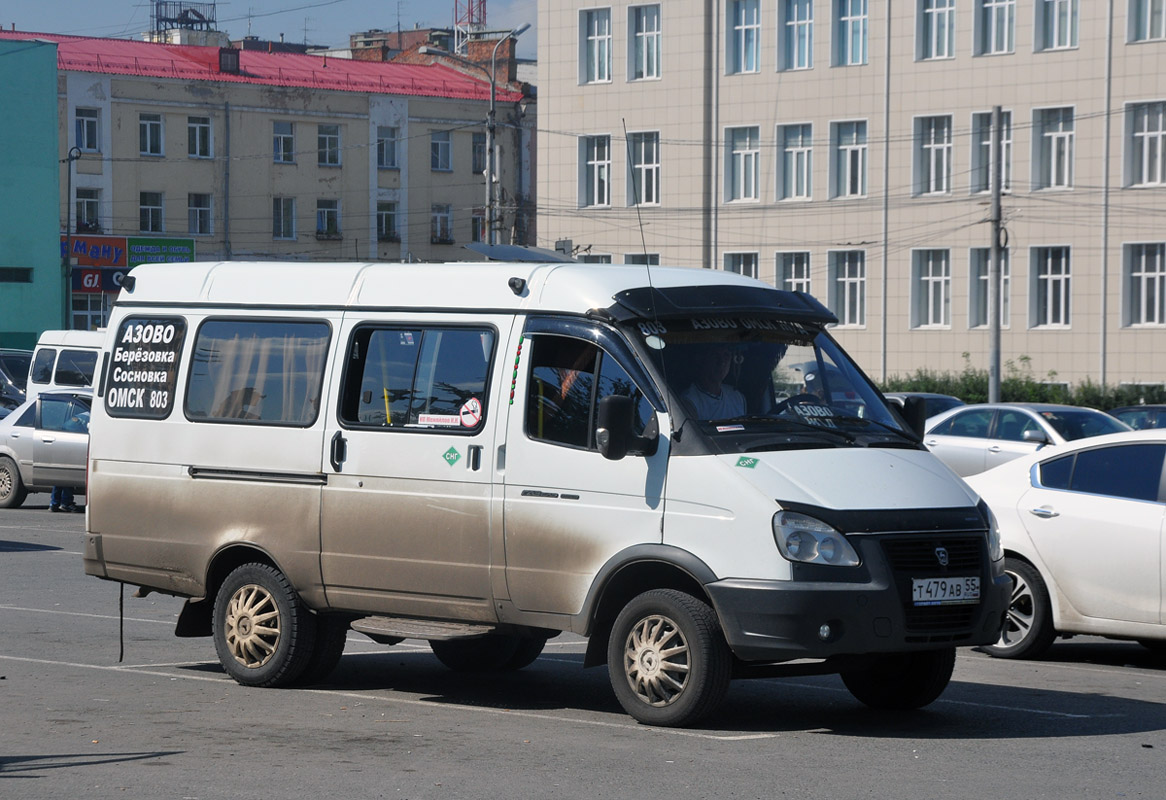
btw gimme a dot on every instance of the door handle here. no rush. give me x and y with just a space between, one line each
1044 513
48 439
474 462
994 448
338 452
930 443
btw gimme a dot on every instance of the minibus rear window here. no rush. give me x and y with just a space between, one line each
264 372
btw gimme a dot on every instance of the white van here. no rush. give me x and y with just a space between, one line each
64 360
485 455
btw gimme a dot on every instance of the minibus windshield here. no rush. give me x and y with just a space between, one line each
735 375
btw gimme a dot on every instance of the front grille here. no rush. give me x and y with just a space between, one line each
919 556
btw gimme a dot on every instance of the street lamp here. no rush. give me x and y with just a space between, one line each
66 257
490 166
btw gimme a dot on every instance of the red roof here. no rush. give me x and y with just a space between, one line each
195 63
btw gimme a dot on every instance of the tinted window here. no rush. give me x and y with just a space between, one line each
1133 471
42 365
418 378
1012 424
15 366
1057 473
1081 423
968 423
54 412
257 371
75 367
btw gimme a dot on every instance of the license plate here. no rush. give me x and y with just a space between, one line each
945 591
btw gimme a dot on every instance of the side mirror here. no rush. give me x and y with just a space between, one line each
914 412
613 429
1035 436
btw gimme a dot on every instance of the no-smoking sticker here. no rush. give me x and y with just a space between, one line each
471 412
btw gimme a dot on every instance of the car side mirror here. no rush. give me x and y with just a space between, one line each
614 432
914 413
1035 436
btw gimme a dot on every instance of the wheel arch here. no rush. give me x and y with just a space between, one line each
630 573
1051 587
195 618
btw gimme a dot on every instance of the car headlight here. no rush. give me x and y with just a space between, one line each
803 538
995 546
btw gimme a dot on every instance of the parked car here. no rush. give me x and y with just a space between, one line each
933 403
1081 526
1141 417
64 360
44 443
13 378
976 437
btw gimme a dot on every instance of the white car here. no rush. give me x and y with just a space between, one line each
44 443
1082 529
973 438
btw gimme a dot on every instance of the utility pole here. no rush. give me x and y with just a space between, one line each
994 295
67 256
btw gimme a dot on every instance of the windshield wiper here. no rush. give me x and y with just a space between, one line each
868 421
809 426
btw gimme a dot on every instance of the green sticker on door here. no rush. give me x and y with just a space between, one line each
451 456
745 462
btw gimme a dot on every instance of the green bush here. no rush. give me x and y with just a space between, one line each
1018 385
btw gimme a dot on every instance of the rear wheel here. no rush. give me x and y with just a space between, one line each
902 681
667 659
1028 624
263 634
12 491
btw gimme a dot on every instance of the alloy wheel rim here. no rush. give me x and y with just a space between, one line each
656 661
252 626
1019 618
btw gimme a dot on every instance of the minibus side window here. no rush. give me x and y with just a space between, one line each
75 367
42 365
417 378
266 372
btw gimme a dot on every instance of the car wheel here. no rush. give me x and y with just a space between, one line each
1028 623
667 658
489 653
12 491
263 633
902 681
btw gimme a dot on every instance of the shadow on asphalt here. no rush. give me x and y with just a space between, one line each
7 546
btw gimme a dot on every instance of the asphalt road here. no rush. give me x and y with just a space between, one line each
391 722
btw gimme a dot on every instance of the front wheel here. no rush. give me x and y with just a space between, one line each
667 659
263 634
1028 624
12 491
902 681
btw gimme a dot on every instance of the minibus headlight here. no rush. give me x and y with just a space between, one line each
995 546
802 538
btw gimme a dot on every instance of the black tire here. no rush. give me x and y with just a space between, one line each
902 681
1028 624
263 634
331 636
489 653
12 490
667 659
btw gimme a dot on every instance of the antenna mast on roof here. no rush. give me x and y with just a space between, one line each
469 19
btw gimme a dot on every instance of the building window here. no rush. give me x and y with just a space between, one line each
441 223
1145 269
644 56
982 151
478 154
1050 289
645 169
283 218
478 225
87 132
931 287
797 36
1148 144
796 162
387 223
742 264
283 135
793 272
1053 142
386 147
853 32
595 258
744 169
995 27
440 151
847 290
936 29
849 148
933 138
643 259
150 134
198 137
981 262
327 219
1056 24
328 145
1147 20
596 172
88 209
596 61
198 214
744 32
150 212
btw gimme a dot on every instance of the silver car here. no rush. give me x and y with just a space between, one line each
973 438
44 443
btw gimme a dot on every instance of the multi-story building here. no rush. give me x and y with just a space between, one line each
218 153
843 147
